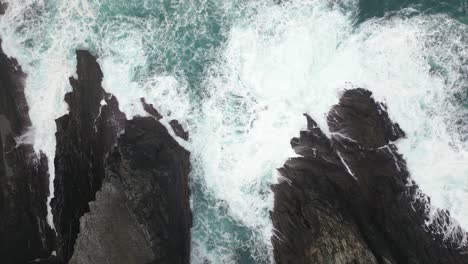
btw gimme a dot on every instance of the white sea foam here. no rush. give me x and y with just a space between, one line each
42 46
278 62
296 58
258 93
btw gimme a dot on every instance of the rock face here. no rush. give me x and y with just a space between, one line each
24 179
148 173
349 199
121 186
84 137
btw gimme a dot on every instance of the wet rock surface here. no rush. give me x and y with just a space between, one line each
350 199
3 6
24 179
179 130
149 108
148 173
84 137
121 186
175 125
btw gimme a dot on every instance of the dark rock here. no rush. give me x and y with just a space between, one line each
84 137
176 126
149 157
3 7
109 232
149 108
350 199
24 180
136 208
146 188
12 98
179 130
365 122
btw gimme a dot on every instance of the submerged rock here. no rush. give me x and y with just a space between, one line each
84 137
24 180
350 199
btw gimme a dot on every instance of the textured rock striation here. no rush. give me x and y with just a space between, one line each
349 198
146 186
24 180
84 138
121 186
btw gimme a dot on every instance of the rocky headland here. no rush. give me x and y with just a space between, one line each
24 180
349 199
121 186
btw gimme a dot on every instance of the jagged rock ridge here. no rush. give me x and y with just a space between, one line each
148 172
24 181
84 138
349 198
121 186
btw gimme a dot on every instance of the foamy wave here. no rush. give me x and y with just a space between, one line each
239 75
296 57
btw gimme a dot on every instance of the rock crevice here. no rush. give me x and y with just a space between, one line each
24 180
84 138
121 186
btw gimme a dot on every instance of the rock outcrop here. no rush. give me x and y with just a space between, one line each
3 6
84 138
24 180
349 198
175 125
121 186
142 214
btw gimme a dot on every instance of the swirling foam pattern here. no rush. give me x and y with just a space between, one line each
239 74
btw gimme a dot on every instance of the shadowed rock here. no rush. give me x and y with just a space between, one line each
84 138
349 199
24 179
125 202
142 214
176 126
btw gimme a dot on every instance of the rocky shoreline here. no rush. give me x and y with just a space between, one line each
119 184
24 179
349 198
121 188
84 137
140 166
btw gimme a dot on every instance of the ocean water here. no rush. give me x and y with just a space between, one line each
239 74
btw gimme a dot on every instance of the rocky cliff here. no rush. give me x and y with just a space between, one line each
84 137
24 179
349 198
142 214
121 186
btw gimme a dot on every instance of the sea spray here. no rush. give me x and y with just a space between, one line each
239 75
297 57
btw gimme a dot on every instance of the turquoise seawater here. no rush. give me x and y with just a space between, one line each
238 75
